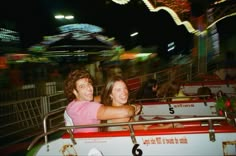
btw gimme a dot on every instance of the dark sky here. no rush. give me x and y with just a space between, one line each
35 19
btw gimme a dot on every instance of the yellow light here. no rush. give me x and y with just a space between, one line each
130 56
143 54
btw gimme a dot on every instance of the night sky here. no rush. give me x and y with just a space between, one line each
35 19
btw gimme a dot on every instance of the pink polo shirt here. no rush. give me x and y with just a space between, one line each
83 113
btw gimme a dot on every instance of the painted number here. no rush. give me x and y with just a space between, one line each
171 109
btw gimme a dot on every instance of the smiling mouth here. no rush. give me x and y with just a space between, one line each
89 95
123 97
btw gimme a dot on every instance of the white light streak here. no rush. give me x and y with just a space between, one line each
59 16
69 17
134 34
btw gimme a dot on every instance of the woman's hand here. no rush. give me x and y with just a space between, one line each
138 109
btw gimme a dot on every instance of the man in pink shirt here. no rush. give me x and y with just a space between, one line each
83 110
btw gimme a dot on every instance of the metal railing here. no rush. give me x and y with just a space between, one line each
22 119
130 124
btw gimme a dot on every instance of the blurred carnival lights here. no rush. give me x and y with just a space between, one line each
179 6
121 1
173 7
67 17
132 55
134 34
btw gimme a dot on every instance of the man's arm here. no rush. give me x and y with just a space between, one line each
110 112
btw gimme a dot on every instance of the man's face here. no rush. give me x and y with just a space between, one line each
119 93
84 90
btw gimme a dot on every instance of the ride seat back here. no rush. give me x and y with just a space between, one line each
68 120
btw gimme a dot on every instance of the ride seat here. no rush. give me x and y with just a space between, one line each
68 120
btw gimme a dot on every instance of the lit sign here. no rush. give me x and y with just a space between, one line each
8 35
81 27
80 31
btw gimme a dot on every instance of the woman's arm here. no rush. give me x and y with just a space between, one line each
115 112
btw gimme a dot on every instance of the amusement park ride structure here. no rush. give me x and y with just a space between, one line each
205 127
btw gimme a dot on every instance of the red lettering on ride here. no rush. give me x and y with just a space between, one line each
164 140
184 105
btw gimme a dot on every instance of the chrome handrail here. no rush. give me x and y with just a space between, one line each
59 110
147 122
204 97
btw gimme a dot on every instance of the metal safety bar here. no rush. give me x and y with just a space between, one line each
45 128
204 97
209 119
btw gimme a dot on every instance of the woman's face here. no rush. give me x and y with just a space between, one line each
84 90
119 94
